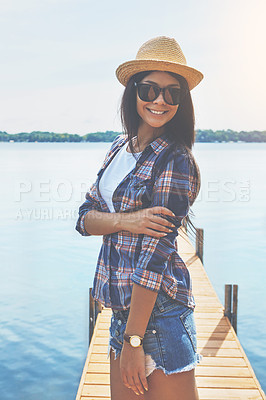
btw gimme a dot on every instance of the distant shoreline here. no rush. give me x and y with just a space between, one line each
202 136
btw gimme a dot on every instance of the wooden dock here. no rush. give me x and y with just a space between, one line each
225 371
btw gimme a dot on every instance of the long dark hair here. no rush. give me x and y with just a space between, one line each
181 128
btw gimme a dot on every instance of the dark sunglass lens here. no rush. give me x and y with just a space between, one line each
153 93
147 92
172 96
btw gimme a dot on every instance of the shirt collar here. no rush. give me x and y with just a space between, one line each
160 143
157 145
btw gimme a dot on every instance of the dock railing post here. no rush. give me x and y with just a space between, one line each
199 243
91 315
227 301
232 315
184 224
94 309
235 303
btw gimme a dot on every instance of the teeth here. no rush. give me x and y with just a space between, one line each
156 112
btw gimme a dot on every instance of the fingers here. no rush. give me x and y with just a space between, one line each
162 228
163 216
137 383
143 380
155 234
138 386
125 381
162 221
157 226
150 221
134 386
162 210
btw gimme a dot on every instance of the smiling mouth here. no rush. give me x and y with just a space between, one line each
155 112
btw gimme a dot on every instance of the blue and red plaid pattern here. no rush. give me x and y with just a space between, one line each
163 176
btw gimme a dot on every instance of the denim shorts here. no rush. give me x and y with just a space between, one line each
170 340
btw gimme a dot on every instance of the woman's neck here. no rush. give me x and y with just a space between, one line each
146 135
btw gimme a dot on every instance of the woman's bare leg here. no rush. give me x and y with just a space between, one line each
180 386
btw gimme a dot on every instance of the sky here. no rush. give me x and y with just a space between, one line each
58 60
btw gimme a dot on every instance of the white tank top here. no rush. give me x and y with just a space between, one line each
120 166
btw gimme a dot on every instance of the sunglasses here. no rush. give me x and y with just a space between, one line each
148 92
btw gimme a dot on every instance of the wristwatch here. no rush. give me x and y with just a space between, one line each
133 340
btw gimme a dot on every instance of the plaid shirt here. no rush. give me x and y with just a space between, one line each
163 176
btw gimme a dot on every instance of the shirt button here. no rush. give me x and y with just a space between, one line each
119 322
154 331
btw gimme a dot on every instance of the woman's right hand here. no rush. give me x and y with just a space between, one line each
147 221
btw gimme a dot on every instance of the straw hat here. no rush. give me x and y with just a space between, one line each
159 54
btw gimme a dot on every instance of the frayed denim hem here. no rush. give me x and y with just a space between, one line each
117 352
151 366
186 368
199 357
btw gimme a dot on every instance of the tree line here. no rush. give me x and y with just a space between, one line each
108 136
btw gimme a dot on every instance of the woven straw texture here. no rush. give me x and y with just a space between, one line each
160 54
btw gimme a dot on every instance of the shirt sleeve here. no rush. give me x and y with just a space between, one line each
91 203
172 189
92 200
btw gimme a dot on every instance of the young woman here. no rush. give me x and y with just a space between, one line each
143 192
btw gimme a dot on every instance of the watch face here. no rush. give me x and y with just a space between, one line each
135 341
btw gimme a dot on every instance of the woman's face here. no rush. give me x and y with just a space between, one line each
157 113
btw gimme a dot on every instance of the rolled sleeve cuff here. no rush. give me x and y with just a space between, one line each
149 279
80 226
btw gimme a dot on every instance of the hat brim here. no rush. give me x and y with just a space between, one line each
129 68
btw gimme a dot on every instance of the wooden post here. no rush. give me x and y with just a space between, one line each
94 309
199 243
232 315
235 302
97 310
227 301
184 224
91 315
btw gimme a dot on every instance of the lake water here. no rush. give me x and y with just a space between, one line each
47 267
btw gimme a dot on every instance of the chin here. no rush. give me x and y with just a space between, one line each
157 125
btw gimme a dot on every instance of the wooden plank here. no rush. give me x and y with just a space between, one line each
97 379
203 328
102 358
226 382
103 326
229 394
94 398
96 390
223 371
100 349
99 368
221 344
209 308
103 332
222 362
211 322
215 335
102 340
206 351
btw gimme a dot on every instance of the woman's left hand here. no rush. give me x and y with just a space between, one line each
132 368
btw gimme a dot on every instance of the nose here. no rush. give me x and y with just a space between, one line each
160 99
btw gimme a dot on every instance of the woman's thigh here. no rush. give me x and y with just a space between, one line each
177 386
